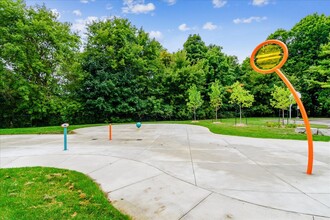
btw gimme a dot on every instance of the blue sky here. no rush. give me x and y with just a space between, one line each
236 25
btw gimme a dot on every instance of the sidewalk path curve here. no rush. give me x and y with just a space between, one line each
186 172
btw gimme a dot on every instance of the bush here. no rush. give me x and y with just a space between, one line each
272 124
290 126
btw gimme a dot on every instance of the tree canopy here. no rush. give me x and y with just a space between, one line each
34 62
241 97
281 99
194 99
121 74
216 96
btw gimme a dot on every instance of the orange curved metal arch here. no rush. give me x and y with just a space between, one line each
293 92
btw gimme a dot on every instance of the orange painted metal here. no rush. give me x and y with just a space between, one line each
292 90
110 132
285 56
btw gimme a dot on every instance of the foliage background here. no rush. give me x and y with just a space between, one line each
49 76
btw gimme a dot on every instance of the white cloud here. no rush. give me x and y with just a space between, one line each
156 34
249 20
56 13
137 7
219 3
77 12
184 27
170 2
80 24
260 2
209 26
86 1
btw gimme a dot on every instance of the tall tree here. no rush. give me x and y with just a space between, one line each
195 99
260 86
281 99
123 66
195 48
216 96
218 67
304 42
34 62
241 97
318 79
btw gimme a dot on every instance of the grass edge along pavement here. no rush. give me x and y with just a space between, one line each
51 193
44 130
255 128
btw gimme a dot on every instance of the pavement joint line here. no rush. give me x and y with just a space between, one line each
15 158
151 165
191 159
148 147
269 207
278 177
106 165
201 201
178 178
215 192
230 145
157 168
71 156
140 181
283 180
36 155
304 193
201 187
259 191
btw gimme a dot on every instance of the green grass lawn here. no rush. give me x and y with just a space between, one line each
256 127
50 193
44 130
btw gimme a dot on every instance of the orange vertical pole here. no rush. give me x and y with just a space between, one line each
306 121
110 132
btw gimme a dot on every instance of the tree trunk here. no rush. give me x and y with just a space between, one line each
195 114
282 116
216 113
240 114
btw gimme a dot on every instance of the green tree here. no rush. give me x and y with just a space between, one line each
319 80
304 42
35 58
195 48
195 99
260 86
220 66
216 96
281 99
178 78
241 97
123 68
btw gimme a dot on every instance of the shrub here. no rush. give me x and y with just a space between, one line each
290 126
272 124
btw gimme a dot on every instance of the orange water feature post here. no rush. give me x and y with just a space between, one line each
269 62
110 132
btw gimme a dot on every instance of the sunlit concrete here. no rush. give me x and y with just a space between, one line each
186 172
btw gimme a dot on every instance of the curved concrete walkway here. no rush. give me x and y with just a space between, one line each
186 172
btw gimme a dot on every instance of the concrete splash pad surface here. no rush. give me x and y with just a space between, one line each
186 172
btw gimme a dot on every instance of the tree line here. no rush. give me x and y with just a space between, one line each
122 74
